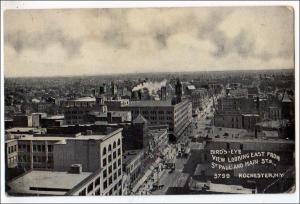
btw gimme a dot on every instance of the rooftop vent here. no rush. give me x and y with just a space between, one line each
75 169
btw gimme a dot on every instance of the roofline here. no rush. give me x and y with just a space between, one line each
84 181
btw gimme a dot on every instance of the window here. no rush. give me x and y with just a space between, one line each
115 187
104 162
110 180
39 148
82 193
50 159
114 145
109 158
119 162
97 182
109 148
104 151
34 148
105 184
115 175
110 169
105 173
115 165
119 141
97 191
90 187
43 148
119 172
119 151
50 148
115 155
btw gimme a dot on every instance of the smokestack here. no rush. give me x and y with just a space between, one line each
140 94
178 91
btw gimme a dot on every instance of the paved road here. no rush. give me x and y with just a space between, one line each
169 179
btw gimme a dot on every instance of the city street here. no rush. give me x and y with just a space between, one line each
170 179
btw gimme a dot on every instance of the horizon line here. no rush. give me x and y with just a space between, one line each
163 72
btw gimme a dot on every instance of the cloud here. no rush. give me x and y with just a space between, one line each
98 41
242 44
22 40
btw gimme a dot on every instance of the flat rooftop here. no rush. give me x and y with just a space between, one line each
54 137
149 103
220 188
84 99
254 140
129 155
20 129
55 117
46 182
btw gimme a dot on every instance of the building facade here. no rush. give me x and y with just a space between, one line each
178 116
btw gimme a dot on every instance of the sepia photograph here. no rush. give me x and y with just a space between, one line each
147 101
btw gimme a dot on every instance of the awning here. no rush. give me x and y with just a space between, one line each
146 175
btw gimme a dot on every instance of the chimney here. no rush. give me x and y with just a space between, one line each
75 169
257 103
89 132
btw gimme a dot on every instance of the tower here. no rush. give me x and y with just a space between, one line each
113 89
178 91
163 93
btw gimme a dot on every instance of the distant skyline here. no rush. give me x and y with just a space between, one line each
111 41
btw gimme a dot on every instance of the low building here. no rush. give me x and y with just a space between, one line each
77 111
132 166
52 121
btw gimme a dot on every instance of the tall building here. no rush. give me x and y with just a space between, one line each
178 91
99 155
163 93
114 89
177 116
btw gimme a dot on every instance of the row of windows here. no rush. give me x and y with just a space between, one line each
144 112
91 187
12 160
74 112
12 149
114 156
114 166
27 158
36 148
109 146
74 117
108 182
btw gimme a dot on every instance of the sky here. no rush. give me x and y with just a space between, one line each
61 42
